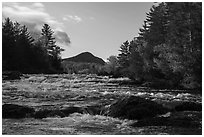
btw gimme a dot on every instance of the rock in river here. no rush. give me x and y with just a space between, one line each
184 119
16 111
132 107
189 106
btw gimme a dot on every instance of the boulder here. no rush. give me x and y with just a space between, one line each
16 111
132 107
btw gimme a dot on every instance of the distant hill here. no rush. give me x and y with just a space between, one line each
85 57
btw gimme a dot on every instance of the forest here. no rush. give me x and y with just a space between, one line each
167 52
168 48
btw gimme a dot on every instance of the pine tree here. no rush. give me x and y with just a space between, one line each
23 50
157 20
8 42
40 58
47 34
123 57
53 50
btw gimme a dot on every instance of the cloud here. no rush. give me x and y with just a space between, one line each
73 18
91 18
33 16
65 18
62 37
38 5
26 14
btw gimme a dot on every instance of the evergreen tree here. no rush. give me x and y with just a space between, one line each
123 57
23 50
8 43
47 34
40 58
53 50
157 20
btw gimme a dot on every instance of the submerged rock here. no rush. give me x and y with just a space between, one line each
69 110
65 112
16 111
57 112
185 119
132 107
48 113
189 106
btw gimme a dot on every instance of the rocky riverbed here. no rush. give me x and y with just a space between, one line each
91 104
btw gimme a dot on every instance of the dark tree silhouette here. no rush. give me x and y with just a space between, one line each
22 53
8 43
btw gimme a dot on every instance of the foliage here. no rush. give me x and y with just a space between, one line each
22 53
112 66
80 67
168 48
124 55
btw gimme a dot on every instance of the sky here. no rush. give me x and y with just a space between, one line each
96 27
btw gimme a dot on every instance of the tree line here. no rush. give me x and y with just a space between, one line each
21 52
168 49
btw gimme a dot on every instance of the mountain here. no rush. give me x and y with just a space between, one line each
85 57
